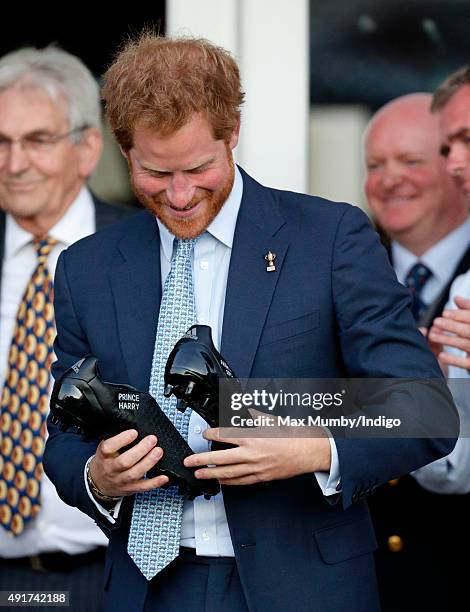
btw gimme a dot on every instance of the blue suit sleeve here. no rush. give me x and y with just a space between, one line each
379 339
66 453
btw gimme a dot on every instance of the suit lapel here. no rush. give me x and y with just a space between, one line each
136 287
100 213
250 287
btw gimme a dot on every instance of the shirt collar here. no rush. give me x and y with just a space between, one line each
72 226
222 227
441 258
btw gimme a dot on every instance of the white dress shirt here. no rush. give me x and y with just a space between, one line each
451 474
441 259
57 527
204 524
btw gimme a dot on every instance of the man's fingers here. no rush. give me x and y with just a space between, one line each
223 434
138 471
455 315
148 484
455 341
452 326
462 302
437 337
136 453
131 457
218 457
118 481
212 433
224 472
110 446
460 362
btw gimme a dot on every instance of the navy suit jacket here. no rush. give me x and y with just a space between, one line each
332 308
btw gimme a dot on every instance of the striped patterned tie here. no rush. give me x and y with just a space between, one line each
155 530
25 398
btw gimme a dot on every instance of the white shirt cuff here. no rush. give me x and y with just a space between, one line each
329 482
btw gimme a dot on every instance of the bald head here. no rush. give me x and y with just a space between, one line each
412 196
411 111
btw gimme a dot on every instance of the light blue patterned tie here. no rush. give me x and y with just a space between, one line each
155 530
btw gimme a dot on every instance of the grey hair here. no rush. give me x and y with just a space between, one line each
61 76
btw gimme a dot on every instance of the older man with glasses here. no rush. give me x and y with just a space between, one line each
50 143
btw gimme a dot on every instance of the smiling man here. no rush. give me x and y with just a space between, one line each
425 215
450 333
451 104
41 167
184 201
290 529
416 202
50 143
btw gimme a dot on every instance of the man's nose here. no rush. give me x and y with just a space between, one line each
180 190
391 176
16 160
457 159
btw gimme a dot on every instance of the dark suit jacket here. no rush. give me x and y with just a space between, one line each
422 570
332 308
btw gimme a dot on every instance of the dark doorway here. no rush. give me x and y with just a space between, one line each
93 38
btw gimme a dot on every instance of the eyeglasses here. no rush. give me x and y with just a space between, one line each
36 144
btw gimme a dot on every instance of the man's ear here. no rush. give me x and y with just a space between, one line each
90 148
232 143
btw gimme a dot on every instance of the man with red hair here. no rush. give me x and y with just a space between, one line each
283 280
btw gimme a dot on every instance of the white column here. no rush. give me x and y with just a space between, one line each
216 20
269 39
336 164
